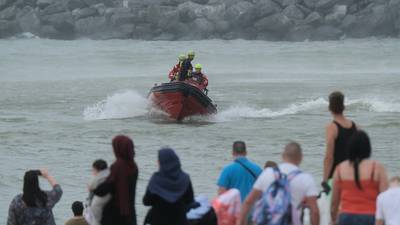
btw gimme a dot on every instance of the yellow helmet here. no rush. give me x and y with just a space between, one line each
182 57
197 66
191 53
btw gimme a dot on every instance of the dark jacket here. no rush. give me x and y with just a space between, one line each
164 213
186 70
111 212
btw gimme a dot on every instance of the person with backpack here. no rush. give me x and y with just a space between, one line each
241 174
280 193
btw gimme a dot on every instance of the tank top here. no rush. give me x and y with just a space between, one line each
340 151
359 201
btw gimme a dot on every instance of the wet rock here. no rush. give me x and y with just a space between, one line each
8 13
92 27
76 4
165 37
311 3
278 23
222 26
286 3
48 31
201 2
306 11
327 33
101 9
93 2
143 31
293 13
122 32
53 9
299 33
83 13
325 5
9 28
268 36
44 3
241 14
5 3
188 11
374 21
337 16
266 8
23 3
202 28
28 20
314 19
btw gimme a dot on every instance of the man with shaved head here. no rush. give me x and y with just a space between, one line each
302 187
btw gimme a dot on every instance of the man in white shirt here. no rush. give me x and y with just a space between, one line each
388 204
303 188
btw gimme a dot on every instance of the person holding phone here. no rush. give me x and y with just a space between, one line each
34 206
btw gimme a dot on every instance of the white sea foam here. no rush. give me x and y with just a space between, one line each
131 104
26 35
243 111
124 104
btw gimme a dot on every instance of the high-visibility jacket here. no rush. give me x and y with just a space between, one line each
201 79
174 72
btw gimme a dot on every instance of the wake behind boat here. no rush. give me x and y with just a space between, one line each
180 99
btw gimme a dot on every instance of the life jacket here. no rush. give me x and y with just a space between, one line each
201 79
175 71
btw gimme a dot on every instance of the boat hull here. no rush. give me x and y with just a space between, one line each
181 99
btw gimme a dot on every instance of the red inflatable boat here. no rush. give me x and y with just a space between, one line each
181 99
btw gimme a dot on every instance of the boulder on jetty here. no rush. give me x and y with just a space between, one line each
273 20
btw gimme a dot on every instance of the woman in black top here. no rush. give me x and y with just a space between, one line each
121 184
169 192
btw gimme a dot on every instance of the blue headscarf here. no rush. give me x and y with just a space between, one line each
170 182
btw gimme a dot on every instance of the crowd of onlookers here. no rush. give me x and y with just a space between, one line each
357 185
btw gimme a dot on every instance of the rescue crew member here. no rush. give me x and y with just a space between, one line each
174 73
199 77
187 68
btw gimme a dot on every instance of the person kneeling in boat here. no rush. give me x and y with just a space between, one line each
186 68
174 73
199 77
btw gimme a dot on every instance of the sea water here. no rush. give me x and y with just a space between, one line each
61 103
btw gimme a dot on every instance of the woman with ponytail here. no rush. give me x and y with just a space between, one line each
34 206
357 183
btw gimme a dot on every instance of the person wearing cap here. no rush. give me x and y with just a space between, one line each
199 77
186 68
173 74
240 174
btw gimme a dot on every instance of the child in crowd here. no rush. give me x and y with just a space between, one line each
270 164
95 204
78 219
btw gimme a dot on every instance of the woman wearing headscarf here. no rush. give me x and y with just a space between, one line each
169 192
121 184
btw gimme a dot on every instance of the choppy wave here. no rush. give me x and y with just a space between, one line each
124 104
375 105
244 111
25 35
129 103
